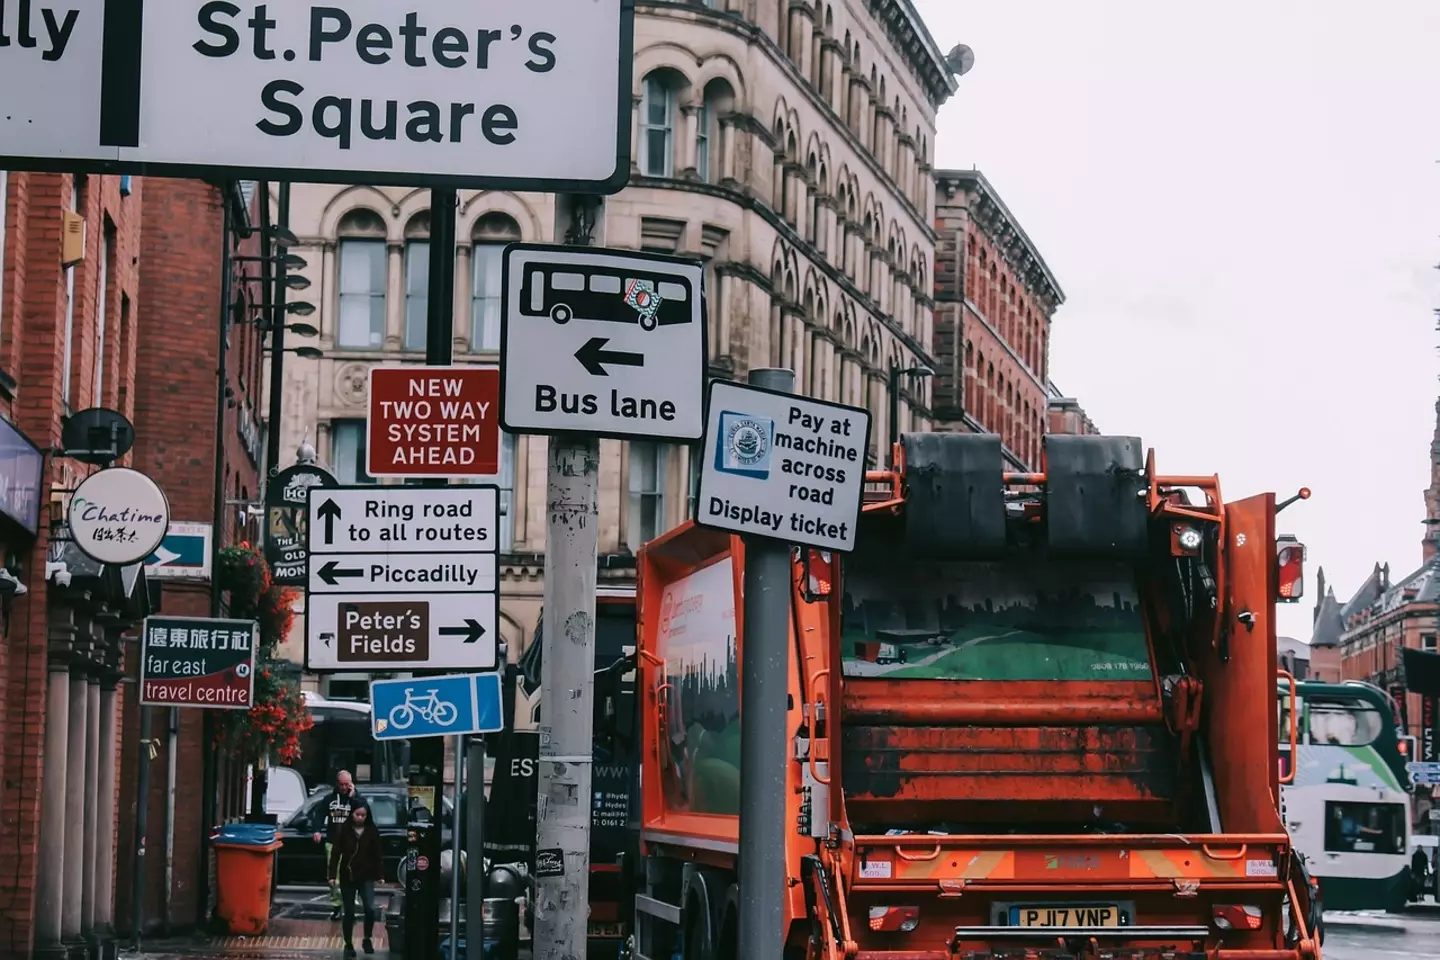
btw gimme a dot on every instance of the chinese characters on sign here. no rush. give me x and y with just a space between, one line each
191 662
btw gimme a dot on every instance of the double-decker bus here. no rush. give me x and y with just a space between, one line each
1347 806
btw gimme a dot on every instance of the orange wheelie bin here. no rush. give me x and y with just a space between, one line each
245 871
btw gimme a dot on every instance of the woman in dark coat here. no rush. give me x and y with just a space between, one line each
357 862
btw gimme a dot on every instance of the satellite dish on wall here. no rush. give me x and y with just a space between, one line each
97 436
960 59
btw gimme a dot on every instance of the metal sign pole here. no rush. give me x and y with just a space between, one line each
765 690
475 848
455 853
563 794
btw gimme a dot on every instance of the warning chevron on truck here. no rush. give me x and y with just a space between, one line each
782 466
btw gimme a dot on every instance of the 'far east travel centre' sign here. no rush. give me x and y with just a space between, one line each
782 466
194 662
506 94
402 578
433 422
118 516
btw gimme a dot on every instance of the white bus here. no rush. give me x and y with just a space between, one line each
1348 807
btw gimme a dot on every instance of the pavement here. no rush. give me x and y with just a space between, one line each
300 929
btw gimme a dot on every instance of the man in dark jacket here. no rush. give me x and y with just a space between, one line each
329 817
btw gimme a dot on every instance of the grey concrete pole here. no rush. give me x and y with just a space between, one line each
91 788
764 733
106 803
562 812
50 865
75 806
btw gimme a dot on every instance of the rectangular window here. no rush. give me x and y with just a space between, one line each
362 294
107 245
66 373
657 123
417 292
347 453
1427 642
505 480
692 494
485 296
647 493
1357 827
702 141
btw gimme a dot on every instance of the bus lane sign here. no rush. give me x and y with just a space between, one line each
608 343
782 466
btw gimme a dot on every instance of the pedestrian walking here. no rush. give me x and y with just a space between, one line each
356 865
332 814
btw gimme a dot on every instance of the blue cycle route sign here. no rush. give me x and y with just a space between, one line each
436 706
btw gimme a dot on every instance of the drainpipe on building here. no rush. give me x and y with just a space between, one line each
229 191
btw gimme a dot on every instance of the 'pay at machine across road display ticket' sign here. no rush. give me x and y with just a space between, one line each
782 466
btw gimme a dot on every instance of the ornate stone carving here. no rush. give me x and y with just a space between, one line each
351 384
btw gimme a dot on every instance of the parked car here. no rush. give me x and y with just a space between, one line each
284 792
302 861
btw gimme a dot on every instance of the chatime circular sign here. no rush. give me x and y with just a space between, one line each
118 516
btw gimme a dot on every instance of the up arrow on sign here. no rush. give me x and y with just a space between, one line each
329 511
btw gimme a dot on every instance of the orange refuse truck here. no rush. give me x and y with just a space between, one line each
1032 716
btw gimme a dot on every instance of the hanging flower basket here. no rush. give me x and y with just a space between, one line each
272 726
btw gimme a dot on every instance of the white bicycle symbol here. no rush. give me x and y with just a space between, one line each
430 708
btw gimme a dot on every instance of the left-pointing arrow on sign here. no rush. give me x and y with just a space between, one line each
332 572
593 356
472 631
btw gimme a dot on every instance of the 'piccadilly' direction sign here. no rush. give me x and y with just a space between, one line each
508 94
603 342
402 578
782 466
435 422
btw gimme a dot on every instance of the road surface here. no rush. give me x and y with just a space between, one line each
1402 938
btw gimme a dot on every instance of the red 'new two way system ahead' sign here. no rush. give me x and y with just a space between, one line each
433 422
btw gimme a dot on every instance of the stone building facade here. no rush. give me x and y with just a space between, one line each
788 145
93 323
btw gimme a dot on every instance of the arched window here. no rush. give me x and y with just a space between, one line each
417 279
719 100
657 124
361 324
489 236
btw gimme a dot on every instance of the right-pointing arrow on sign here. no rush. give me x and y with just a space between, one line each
332 572
593 355
472 631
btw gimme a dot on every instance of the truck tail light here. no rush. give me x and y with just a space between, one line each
894 919
1237 917
1290 569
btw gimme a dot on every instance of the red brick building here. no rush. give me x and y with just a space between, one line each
994 302
109 289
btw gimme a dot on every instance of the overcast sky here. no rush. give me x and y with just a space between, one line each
1241 202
